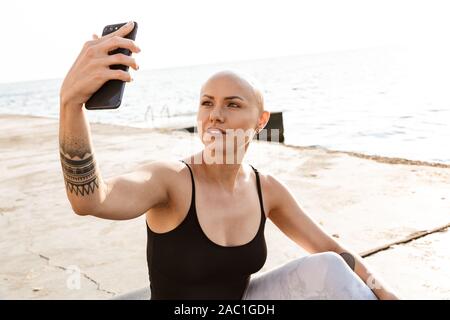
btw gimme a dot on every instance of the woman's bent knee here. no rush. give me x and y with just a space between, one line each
328 258
323 275
329 275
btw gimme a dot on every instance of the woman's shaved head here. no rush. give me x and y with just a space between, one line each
245 83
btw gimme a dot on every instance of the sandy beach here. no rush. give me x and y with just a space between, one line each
394 212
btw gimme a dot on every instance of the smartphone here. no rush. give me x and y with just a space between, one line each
109 96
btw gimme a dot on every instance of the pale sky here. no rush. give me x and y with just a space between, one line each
41 39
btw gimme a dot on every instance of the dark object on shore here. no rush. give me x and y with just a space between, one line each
273 132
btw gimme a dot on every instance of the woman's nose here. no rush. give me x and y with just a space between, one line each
216 114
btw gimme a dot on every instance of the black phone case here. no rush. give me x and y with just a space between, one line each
109 96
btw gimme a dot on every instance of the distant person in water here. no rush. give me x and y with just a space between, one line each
206 213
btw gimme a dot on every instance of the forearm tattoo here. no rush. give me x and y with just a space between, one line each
79 169
349 259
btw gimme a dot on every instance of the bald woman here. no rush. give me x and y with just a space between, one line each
205 214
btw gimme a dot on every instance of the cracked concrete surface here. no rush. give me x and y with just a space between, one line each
412 237
69 269
418 269
387 210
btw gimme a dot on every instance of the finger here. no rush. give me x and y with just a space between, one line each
122 31
118 74
95 37
122 59
119 42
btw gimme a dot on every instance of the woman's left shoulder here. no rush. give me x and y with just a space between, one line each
269 182
273 189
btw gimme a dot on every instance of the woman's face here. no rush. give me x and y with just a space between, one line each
230 111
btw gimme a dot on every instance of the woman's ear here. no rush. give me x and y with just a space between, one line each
263 119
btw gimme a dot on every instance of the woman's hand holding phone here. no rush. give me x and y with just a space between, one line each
92 69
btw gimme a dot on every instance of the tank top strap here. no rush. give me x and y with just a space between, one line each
258 185
192 181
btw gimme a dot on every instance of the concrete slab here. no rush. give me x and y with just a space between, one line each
365 203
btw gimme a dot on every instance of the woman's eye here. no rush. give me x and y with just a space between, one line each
206 103
233 105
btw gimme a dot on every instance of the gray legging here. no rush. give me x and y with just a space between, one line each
314 277
318 276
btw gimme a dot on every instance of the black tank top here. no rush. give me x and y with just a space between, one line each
185 264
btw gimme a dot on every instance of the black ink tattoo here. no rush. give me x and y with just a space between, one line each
79 170
349 259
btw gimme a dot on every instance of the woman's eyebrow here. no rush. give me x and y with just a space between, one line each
226 98
233 97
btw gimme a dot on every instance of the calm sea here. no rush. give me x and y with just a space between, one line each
382 101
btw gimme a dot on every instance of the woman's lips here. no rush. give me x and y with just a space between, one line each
215 131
